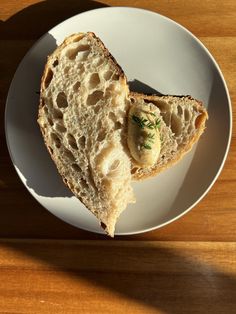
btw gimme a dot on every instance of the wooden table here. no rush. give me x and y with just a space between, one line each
47 266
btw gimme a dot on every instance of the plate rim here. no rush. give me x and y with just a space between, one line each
229 104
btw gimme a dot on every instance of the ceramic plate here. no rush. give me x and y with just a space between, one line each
156 54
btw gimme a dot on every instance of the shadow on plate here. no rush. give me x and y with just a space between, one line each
28 151
140 87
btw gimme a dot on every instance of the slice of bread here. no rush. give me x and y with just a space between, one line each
82 115
182 121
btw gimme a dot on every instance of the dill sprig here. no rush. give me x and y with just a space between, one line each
142 122
151 137
146 146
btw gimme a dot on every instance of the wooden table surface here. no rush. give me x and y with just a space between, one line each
47 266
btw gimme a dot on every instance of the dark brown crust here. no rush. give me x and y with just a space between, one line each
181 153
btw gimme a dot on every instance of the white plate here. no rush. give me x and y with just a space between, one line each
151 49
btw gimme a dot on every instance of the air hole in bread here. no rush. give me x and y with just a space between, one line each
101 136
72 141
112 116
167 118
94 80
69 155
180 110
48 78
190 128
55 63
62 100
83 48
50 121
60 128
76 86
81 142
76 167
186 115
115 77
45 110
72 53
134 170
176 125
55 140
84 184
162 105
107 75
94 97
118 125
57 114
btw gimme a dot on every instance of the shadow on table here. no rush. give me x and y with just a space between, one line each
159 278
35 20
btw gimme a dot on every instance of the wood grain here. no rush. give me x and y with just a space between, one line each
117 277
188 266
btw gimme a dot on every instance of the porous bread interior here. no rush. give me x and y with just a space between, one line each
179 125
83 120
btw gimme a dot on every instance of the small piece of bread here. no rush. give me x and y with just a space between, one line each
82 115
182 121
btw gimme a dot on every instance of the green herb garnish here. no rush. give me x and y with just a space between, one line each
146 146
150 137
157 123
142 123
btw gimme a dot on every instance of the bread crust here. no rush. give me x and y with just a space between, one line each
180 154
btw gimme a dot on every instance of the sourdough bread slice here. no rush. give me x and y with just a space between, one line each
82 115
182 121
